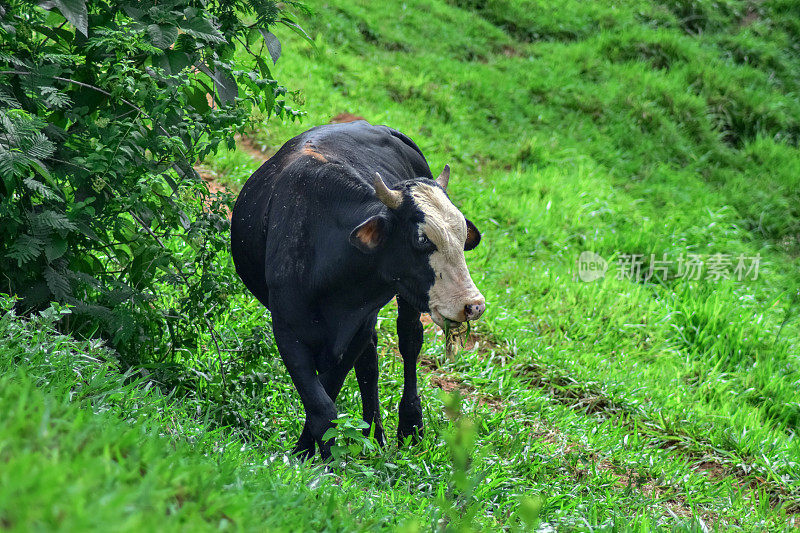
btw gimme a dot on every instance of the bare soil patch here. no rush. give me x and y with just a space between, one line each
255 149
345 117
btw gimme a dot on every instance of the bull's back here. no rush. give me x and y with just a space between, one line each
318 181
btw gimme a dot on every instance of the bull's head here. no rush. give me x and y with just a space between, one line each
422 239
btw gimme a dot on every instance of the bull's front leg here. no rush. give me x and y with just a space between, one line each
409 336
367 374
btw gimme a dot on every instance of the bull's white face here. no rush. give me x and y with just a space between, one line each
453 295
424 249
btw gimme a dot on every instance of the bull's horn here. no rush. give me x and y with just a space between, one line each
390 197
444 177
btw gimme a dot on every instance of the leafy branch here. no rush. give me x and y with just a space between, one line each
104 108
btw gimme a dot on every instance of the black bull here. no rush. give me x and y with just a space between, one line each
340 220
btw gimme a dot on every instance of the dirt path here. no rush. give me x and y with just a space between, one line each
256 150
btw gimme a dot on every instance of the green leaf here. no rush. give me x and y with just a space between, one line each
54 220
122 323
145 262
337 451
44 191
226 86
273 44
133 12
56 282
295 27
162 36
124 229
55 248
225 83
198 98
263 68
178 60
123 255
226 52
74 11
41 147
6 98
25 249
161 188
55 33
201 29
88 231
173 62
252 36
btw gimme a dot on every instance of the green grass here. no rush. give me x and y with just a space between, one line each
646 128
86 447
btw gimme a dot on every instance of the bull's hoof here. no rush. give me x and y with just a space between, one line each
379 434
325 450
411 434
410 426
303 451
304 454
409 420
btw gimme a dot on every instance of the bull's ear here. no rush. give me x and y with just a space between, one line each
369 234
473 236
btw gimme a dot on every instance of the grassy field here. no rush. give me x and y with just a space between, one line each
627 403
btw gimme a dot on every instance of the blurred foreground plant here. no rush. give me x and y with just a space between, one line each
459 505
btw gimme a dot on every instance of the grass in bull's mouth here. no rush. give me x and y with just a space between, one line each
455 335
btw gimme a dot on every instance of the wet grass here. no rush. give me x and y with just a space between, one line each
624 403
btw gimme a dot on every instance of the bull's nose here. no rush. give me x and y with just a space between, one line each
473 311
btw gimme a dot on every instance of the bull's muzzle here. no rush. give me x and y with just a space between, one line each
474 310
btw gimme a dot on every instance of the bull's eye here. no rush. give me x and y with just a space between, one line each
424 243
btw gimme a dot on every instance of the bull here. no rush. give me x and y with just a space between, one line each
340 220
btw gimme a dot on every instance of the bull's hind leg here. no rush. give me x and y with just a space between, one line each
319 407
409 336
332 380
367 376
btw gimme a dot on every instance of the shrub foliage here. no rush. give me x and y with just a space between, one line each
104 107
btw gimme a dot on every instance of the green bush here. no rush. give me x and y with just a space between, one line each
104 108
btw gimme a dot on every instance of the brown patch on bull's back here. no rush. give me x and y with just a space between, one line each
308 150
312 152
341 118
